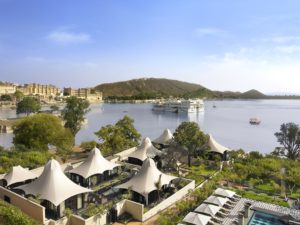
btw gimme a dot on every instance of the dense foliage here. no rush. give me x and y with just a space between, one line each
118 137
289 138
73 113
189 135
28 105
5 97
41 130
11 215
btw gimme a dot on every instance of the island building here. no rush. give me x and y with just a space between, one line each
216 148
94 170
146 182
142 152
84 93
7 88
45 90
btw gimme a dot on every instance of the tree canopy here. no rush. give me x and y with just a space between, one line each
189 135
73 113
118 137
28 105
289 138
40 130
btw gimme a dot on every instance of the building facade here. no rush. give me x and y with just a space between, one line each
84 93
39 89
7 88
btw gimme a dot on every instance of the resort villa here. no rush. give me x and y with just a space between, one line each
128 182
216 148
93 170
165 139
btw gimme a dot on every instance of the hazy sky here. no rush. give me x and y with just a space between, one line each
223 45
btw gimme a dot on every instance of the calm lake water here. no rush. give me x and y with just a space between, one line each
228 122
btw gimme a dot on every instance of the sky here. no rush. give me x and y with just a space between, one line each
222 45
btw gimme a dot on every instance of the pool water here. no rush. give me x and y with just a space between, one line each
260 218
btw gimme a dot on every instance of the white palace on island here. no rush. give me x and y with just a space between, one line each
127 182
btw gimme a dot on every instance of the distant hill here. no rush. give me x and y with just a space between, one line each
148 86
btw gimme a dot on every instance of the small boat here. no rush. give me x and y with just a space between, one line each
214 106
254 121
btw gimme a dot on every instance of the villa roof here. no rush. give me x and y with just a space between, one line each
224 193
215 146
94 164
208 209
197 219
144 181
216 200
53 185
145 150
165 138
18 174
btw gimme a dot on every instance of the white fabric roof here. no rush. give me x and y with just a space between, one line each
145 150
197 219
216 200
18 174
208 209
144 181
215 146
53 185
224 193
165 138
94 164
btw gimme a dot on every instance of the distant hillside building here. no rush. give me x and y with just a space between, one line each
7 88
39 89
84 93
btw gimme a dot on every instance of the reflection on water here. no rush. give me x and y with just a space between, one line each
228 121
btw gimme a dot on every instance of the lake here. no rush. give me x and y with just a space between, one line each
228 122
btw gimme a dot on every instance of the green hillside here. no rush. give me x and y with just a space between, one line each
148 86
151 88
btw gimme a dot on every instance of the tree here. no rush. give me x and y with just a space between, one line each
6 97
18 95
130 134
28 105
40 130
122 135
289 138
292 178
189 135
73 113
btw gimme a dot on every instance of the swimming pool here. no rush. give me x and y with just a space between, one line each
260 218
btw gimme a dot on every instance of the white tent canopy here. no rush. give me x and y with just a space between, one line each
197 219
224 193
215 146
208 209
144 181
18 174
216 200
145 150
53 185
165 138
94 164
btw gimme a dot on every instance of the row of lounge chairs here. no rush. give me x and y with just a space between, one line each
214 209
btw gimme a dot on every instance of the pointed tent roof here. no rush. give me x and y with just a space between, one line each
215 146
208 209
94 164
197 219
216 200
53 185
145 150
144 181
165 138
18 174
224 193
